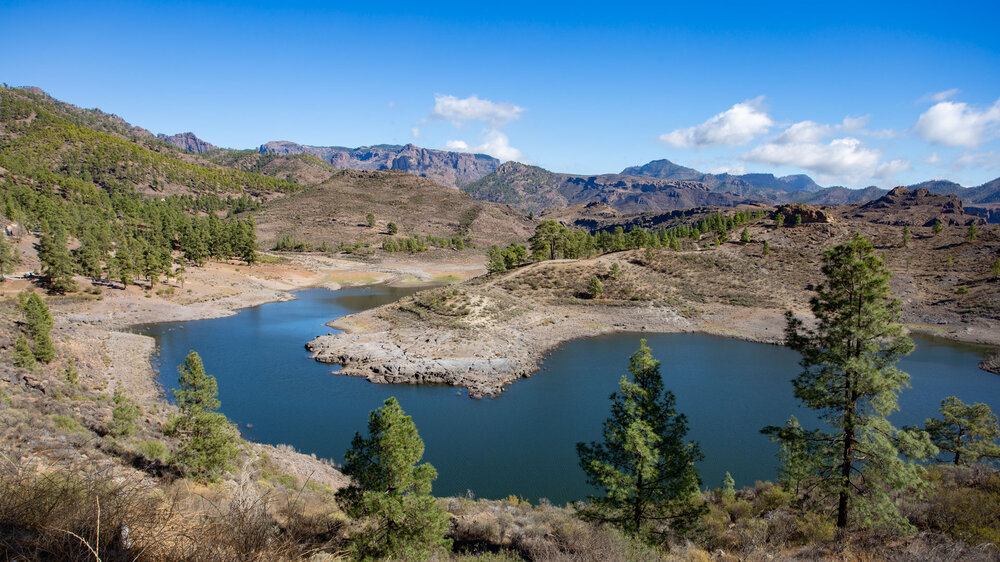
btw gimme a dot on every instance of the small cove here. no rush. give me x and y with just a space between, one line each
523 442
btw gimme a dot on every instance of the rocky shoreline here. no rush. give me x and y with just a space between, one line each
485 360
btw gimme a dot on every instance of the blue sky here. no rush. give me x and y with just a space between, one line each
850 93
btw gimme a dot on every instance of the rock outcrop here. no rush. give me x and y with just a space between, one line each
453 169
187 141
919 207
380 358
808 213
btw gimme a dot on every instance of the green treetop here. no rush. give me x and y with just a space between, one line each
390 492
208 441
967 431
644 465
6 256
57 264
39 323
849 376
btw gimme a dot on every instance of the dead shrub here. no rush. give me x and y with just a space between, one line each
63 515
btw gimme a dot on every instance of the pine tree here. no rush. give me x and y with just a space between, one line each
23 356
123 414
644 465
39 323
972 232
849 376
88 257
967 431
391 228
799 452
779 220
767 248
208 440
494 260
745 236
595 287
906 236
57 264
936 228
6 256
390 492
728 487
370 220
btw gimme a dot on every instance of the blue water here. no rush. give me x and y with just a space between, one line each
523 442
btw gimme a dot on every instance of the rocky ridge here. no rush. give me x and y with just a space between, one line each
187 141
919 207
534 189
452 169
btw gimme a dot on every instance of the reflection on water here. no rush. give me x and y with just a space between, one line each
524 441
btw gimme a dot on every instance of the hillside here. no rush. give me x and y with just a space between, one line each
55 143
534 189
452 169
335 211
303 169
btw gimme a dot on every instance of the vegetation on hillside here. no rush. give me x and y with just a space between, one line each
39 141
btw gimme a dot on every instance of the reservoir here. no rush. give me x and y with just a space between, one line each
524 442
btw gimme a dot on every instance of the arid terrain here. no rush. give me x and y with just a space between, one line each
486 333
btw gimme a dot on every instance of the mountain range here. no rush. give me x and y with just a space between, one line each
655 186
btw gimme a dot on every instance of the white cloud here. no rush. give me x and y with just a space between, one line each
737 125
734 169
888 169
933 158
939 96
958 124
460 111
415 131
495 143
812 132
844 158
987 160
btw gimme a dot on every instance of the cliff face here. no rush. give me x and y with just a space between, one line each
187 141
453 169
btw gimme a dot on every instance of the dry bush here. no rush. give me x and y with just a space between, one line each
508 527
964 504
61 515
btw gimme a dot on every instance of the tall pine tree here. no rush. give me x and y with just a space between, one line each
645 465
849 376
209 443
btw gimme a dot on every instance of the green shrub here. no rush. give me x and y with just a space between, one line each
814 528
155 450
69 424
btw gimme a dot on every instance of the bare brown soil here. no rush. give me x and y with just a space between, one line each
334 212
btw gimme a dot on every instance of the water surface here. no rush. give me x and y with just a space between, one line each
523 442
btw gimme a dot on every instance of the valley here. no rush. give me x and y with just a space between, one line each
494 269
